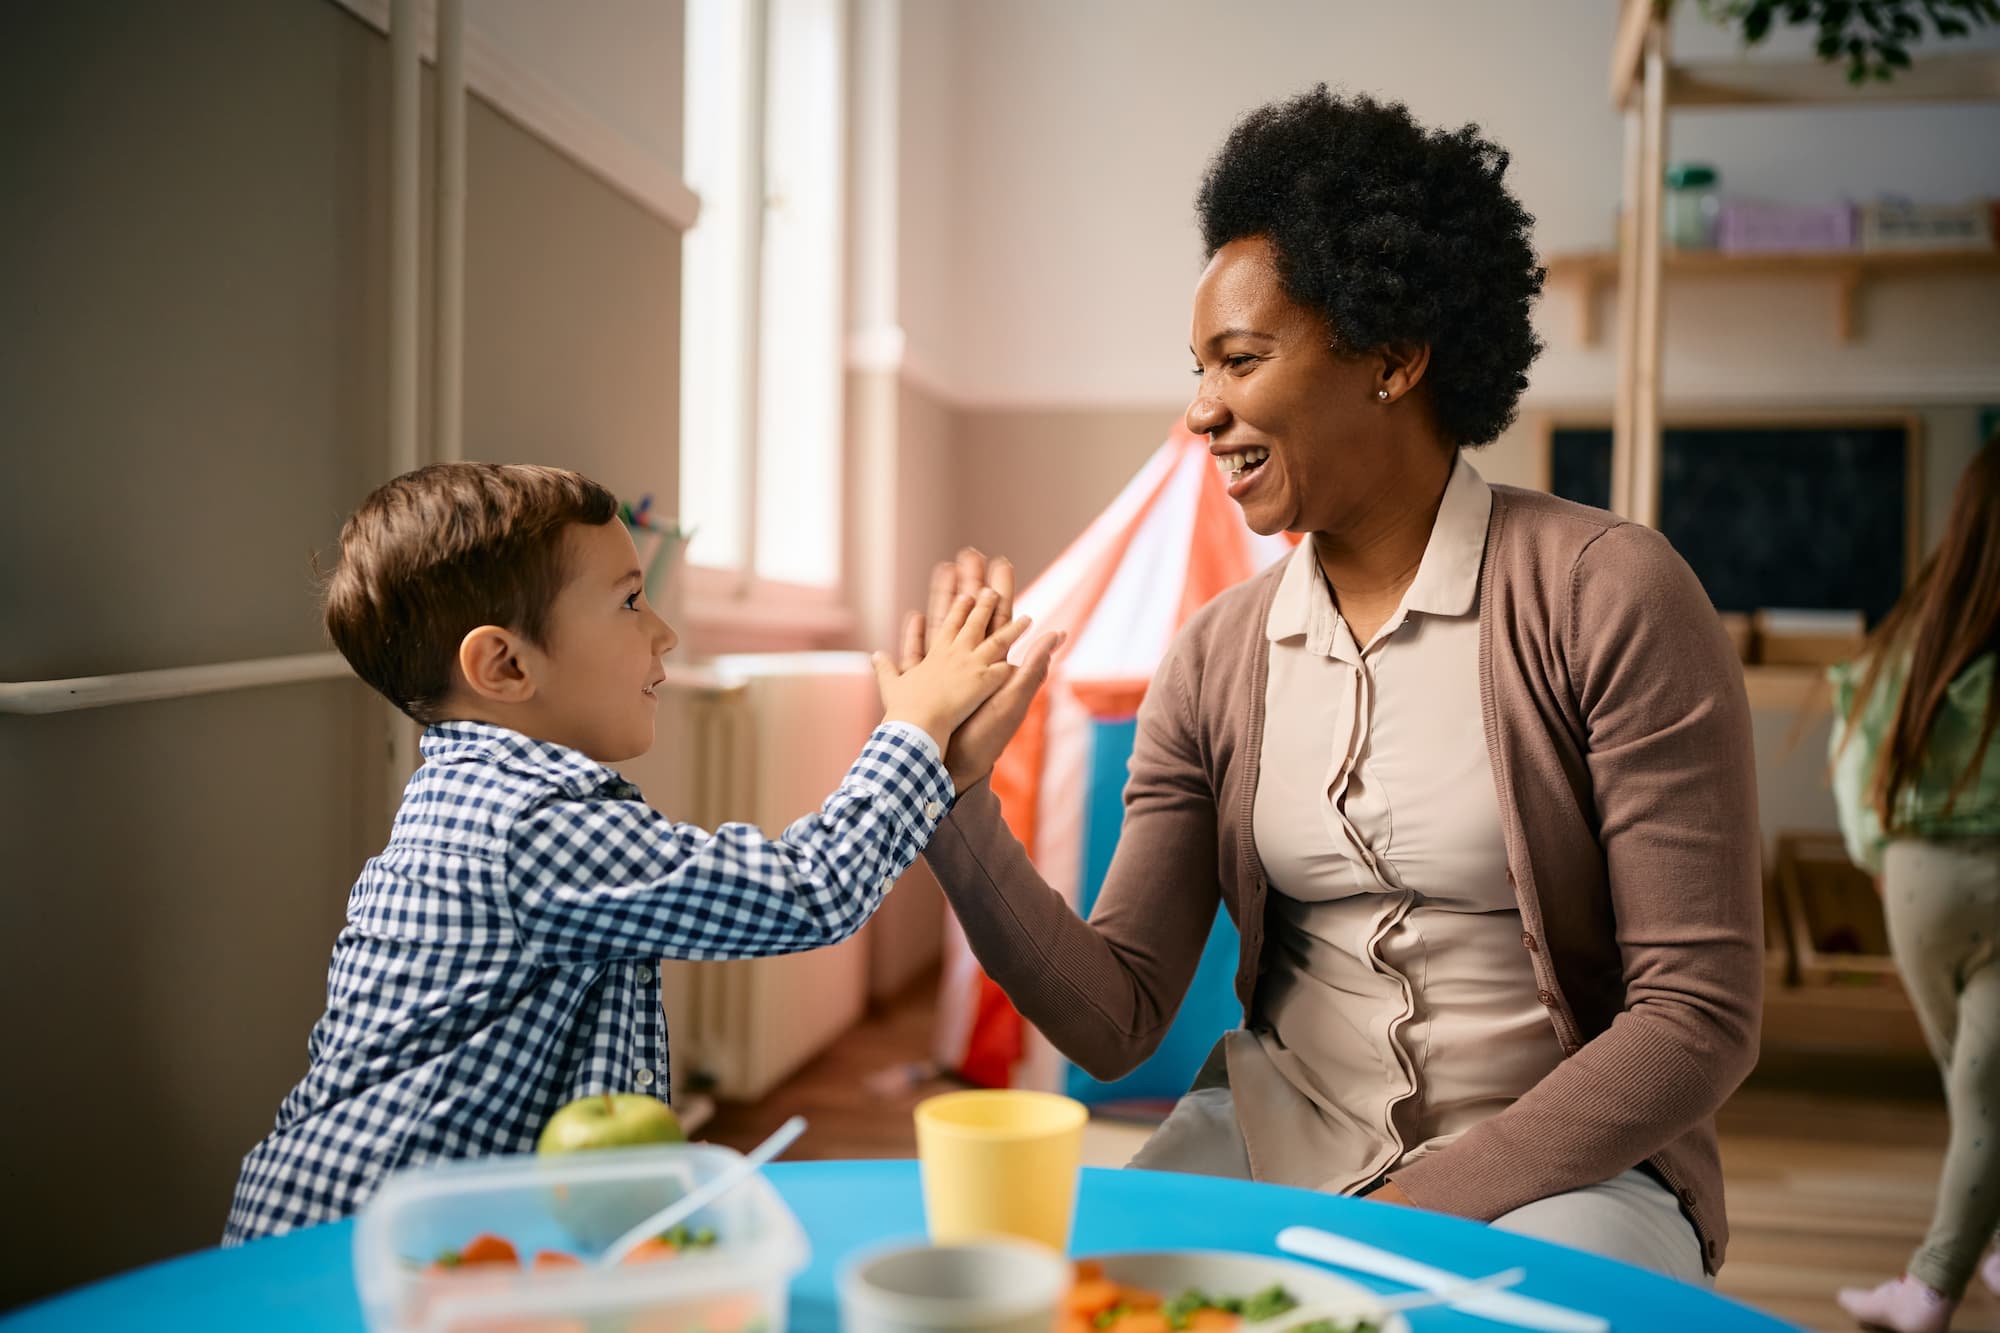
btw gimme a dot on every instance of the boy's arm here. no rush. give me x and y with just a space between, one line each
606 878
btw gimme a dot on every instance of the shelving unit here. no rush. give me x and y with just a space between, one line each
1645 86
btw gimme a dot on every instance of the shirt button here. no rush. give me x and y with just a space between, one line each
1528 942
1546 997
645 974
888 884
643 1077
932 810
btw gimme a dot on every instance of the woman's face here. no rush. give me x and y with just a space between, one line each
1304 421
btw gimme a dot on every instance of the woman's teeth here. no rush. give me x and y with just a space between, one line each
1232 465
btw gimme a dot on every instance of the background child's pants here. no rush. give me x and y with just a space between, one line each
1942 899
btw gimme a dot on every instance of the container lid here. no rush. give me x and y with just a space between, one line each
1690 175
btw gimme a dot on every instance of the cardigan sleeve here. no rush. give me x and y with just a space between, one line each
1103 991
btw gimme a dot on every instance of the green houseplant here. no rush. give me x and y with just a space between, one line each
1873 36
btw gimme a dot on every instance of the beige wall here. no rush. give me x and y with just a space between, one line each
195 368
1072 139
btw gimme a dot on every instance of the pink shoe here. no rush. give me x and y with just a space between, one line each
1902 1306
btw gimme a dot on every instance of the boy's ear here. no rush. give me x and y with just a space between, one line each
491 660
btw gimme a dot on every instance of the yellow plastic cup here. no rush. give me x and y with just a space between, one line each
1000 1162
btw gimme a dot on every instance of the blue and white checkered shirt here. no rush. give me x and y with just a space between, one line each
497 961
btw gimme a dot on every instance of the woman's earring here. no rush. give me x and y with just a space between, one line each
1383 394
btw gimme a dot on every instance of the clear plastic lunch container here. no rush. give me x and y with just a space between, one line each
575 1204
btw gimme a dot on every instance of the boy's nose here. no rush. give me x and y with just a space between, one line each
665 636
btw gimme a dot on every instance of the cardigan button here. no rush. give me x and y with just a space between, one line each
1528 942
1546 997
1687 1197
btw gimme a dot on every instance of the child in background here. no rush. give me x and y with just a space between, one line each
1917 780
499 955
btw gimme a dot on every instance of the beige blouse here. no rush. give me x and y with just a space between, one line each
1401 1006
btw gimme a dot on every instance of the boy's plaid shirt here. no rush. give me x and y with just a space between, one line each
499 954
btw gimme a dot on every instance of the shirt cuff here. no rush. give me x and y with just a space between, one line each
902 761
923 740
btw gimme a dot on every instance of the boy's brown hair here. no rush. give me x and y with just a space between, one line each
435 554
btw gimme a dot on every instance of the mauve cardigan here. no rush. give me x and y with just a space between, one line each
1620 738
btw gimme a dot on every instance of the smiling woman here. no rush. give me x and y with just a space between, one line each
1495 870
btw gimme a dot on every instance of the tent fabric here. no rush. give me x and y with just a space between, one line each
1170 541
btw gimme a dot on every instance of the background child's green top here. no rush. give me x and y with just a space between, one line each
1920 811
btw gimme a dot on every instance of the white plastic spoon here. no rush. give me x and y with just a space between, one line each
695 1200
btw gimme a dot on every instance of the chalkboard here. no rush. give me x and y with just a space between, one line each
1770 516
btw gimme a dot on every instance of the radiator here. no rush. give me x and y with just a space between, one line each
763 739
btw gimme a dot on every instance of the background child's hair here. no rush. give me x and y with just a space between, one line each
435 554
1948 618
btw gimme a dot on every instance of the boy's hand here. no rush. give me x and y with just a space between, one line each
975 747
962 668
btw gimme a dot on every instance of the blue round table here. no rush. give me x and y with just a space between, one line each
304 1281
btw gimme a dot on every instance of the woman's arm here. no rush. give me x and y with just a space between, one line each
1104 991
1673 775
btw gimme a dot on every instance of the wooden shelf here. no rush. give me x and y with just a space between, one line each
1585 272
1841 1018
1787 689
1941 76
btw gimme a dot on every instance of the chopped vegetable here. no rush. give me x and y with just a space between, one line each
1097 1304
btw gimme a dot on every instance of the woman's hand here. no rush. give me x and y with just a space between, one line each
977 744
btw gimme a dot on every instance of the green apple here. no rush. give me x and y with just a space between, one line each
596 1214
610 1120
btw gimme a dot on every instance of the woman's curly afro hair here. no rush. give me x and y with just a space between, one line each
1393 233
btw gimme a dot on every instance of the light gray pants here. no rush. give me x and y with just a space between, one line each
1942 900
1631 1217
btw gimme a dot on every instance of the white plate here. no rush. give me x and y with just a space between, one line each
1225 1273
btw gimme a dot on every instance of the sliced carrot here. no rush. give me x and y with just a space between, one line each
650 1249
556 1259
1211 1320
487 1248
1074 1323
1088 1270
1091 1299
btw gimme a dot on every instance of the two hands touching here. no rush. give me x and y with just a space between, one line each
952 677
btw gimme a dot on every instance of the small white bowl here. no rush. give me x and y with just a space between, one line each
985 1286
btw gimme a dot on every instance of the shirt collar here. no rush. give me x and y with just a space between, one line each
463 741
1447 581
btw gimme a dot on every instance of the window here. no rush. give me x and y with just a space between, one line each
761 316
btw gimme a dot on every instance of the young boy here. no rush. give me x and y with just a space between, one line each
498 958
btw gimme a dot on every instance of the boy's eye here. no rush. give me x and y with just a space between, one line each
632 602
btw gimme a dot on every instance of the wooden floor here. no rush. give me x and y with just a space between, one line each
1828 1185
